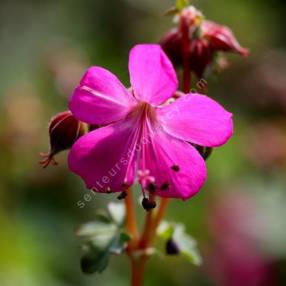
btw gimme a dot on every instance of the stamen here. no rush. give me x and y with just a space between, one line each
145 179
148 204
175 168
165 186
151 187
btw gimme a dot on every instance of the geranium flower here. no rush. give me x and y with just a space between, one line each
144 137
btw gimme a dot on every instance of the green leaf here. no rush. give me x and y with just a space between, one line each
97 251
103 216
96 229
186 244
181 4
98 238
117 212
165 230
102 238
94 260
119 243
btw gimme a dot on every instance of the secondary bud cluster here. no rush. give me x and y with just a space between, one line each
206 39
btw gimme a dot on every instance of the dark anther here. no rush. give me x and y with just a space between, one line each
165 186
108 190
172 248
175 168
122 195
151 188
148 204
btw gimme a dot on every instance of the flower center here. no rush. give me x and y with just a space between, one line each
143 110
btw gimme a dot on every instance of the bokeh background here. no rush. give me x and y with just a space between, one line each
238 218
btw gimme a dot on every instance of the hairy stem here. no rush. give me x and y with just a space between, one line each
161 212
138 268
186 85
152 221
131 223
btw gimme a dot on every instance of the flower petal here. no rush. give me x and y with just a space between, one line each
152 75
100 98
177 167
198 119
104 158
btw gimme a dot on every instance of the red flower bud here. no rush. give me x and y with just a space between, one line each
200 56
200 52
171 44
205 39
64 130
221 38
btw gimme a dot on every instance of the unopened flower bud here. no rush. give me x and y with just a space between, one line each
64 130
171 44
206 38
200 56
221 38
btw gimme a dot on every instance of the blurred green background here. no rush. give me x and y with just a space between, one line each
237 218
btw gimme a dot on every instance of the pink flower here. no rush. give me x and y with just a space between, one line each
143 133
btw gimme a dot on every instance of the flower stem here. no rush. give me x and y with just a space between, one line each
161 211
131 224
152 220
186 55
138 267
151 223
